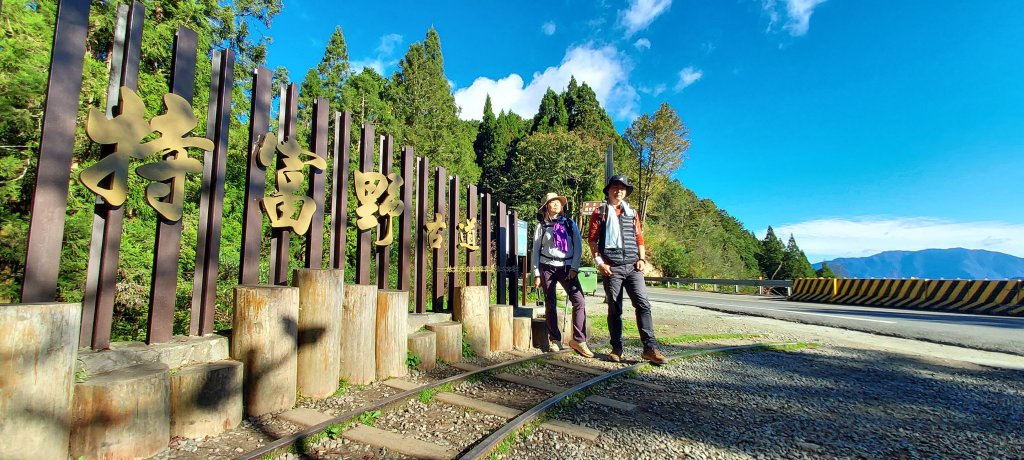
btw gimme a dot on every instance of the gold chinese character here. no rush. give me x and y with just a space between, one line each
378 196
433 230
126 132
282 205
467 235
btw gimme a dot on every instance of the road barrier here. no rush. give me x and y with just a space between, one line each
992 297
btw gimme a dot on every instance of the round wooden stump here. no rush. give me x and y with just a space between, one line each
359 334
501 328
264 340
423 345
392 336
39 345
471 309
521 333
449 340
206 399
321 294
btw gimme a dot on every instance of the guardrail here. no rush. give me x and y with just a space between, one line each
761 284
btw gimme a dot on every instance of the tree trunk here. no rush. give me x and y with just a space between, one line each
321 294
263 339
392 335
423 345
359 334
449 340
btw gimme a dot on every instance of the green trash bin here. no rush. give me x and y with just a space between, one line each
588 280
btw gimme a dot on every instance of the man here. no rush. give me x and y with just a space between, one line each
617 242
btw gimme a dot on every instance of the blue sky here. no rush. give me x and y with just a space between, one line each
858 126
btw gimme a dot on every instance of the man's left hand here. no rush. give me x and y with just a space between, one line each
640 264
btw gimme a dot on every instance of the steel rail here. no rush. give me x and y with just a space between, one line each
283 443
484 447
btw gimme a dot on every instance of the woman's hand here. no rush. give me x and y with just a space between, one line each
536 281
571 275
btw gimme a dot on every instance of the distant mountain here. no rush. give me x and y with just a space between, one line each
931 264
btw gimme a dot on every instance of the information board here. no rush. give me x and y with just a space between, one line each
521 232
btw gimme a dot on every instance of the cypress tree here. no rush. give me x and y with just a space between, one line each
772 252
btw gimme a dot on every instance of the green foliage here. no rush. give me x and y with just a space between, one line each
412 360
427 396
467 350
369 418
772 254
794 262
658 145
343 388
825 271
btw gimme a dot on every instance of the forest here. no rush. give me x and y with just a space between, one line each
561 149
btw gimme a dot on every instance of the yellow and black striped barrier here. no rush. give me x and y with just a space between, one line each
998 297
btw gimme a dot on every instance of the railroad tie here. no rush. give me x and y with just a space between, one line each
618 405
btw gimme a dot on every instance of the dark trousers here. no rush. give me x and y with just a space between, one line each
628 278
549 275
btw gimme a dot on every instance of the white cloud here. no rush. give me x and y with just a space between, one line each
384 58
642 13
798 15
652 90
548 28
642 44
826 239
604 69
687 77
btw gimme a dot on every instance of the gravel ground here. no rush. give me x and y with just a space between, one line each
832 401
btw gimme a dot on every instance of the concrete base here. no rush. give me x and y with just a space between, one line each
181 351
421 320
123 414
206 399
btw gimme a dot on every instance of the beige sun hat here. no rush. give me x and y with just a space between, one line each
552 196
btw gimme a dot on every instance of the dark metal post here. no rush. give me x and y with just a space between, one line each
422 239
160 324
440 199
453 239
501 277
211 201
317 186
339 189
279 237
256 179
404 237
56 144
472 257
101 274
485 241
363 248
387 160
513 289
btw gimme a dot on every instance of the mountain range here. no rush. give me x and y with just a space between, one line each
931 264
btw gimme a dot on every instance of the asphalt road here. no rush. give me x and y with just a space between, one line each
993 333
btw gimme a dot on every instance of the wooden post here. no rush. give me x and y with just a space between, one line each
359 334
521 332
422 242
501 277
453 239
423 345
539 333
39 348
471 309
501 327
473 257
321 295
387 158
263 339
438 287
364 238
206 399
449 340
392 333
486 239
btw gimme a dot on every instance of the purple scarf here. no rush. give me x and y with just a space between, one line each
560 236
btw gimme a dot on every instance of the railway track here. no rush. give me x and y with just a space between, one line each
503 400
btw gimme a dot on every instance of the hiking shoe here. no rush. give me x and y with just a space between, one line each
654 356
581 348
554 346
615 356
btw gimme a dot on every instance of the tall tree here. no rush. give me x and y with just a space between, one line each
772 253
490 152
658 144
794 262
551 115
825 271
426 110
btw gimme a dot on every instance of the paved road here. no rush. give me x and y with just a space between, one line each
993 333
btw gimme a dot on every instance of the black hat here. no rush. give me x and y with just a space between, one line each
621 180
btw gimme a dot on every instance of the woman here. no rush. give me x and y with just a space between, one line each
557 247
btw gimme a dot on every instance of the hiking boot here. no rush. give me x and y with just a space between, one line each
615 356
554 347
581 348
654 356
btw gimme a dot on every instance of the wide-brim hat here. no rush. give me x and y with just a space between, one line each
553 196
621 180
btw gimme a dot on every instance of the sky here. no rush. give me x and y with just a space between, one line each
856 126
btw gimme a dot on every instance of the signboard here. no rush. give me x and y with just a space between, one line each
521 231
589 207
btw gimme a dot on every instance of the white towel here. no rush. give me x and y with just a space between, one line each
612 231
